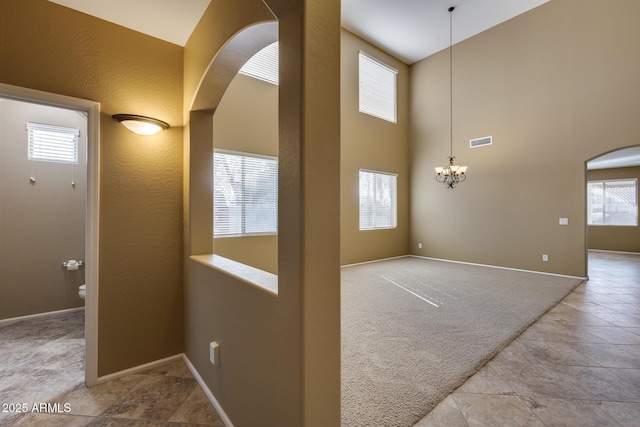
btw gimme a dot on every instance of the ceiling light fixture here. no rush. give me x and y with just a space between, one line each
451 174
141 125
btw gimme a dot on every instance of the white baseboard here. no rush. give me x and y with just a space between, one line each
194 372
502 268
139 368
37 315
614 252
374 260
207 392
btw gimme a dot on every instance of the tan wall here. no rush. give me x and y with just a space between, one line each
279 355
555 87
42 224
614 238
368 142
246 120
70 53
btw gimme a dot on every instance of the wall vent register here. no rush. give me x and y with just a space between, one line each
480 142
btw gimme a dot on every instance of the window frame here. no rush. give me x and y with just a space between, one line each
68 143
243 225
604 205
370 89
393 199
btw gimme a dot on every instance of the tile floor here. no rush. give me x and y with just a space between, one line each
579 365
42 361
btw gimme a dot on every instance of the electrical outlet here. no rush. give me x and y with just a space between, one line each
545 257
419 245
214 353
564 221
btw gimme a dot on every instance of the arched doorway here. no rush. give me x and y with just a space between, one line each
612 201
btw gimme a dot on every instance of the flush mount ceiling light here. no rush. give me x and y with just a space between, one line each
140 124
451 174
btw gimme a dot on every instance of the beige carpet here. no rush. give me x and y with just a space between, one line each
414 329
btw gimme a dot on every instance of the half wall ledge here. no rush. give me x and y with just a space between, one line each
263 280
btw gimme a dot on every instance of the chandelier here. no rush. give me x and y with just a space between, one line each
451 174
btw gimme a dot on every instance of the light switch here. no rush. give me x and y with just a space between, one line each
564 221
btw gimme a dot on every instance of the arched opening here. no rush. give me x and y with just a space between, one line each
245 182
278 337
238 117
612 202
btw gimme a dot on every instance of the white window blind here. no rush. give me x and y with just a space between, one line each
52 143
378 200
263 65
612 202
377 88
245 194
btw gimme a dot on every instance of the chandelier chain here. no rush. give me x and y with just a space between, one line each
451 80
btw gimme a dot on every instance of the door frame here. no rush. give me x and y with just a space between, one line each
92 109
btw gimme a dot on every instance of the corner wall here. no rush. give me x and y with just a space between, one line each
555 86
375 144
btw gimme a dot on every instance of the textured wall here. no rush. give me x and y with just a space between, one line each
371 143
41 224
51 48
614 238
555 87
280 355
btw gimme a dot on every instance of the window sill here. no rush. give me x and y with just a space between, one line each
259 279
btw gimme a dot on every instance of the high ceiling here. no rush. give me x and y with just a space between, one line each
169 20
407 29
414 29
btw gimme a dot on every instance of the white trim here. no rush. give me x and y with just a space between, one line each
614 252
92 109
375 260
379 62
139 368
37 315
223 415
378 172
502 268
244 154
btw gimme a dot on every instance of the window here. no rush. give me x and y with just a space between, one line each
613 202
52 143
377 88
263 65
245 194
377 200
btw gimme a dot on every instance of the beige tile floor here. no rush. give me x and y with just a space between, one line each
579 365
41 361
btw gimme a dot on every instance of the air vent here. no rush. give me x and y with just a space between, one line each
480 142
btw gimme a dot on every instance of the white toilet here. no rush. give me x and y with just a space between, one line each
82 291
